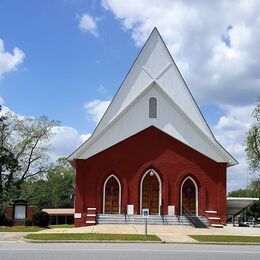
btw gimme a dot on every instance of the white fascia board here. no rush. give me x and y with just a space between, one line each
154 59
212 142
77 154
222 154
172 83
243 198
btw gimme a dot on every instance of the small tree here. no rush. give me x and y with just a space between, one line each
55 191
24 146
253 142
8 161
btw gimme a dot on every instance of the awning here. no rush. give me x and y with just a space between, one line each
236 205
59 212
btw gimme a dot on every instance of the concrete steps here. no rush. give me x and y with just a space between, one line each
138 219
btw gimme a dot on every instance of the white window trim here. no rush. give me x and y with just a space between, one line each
24 213
104 193
196 194
160 189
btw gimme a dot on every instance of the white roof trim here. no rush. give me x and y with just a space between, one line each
91 140
200 126
242 198
215 145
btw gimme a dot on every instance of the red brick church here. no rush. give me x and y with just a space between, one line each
152 149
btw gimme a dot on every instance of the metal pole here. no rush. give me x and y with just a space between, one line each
146 227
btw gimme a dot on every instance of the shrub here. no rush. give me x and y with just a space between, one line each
8 221
28 222
2 218
41 219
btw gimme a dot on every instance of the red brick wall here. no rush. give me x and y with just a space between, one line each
10 213
30 212
150 148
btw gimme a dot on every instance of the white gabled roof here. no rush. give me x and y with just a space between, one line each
154 73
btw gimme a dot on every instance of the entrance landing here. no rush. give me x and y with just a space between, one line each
139 219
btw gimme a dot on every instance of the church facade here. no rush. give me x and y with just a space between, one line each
152 149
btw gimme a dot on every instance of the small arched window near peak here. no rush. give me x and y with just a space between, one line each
152 107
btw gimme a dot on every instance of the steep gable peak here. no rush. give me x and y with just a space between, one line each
153 66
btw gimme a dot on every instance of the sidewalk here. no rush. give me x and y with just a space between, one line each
11 236
168 233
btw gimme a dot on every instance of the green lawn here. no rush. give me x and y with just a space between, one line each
31 228
92 236
20 229
242 239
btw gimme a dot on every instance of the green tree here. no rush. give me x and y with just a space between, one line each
253 142
8 162
24 146
242 193
56 191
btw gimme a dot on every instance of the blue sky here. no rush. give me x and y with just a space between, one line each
72 56
64 67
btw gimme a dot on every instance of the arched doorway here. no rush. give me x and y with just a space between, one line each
189 197
112 195
150 192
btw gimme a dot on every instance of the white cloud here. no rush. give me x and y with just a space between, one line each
65 140
230 131
7 110
88 23
9 61
215 43
96 109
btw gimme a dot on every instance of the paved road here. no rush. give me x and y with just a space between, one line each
22 251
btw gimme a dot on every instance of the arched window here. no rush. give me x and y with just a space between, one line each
152 107
189 196
112 195
150 192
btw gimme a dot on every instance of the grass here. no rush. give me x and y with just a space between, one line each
61 226
241 239
92 236
31 228
20 229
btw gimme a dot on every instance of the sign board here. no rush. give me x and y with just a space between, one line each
130 209
171 210
77 215
145 213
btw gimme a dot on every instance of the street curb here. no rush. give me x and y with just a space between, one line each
215 243
229 243
136 241
90 241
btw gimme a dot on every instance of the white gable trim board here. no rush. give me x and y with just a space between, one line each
171 120
154 74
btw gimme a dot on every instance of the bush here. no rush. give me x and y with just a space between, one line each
5 220
41 219
2 218
8 221
28 222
